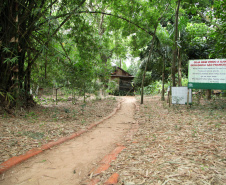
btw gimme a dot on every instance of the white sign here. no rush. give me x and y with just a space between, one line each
179 95
209 73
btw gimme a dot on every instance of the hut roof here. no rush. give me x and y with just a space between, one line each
119 72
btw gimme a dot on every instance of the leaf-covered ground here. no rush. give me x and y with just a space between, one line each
47 122
175 145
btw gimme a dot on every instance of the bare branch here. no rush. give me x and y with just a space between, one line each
66 53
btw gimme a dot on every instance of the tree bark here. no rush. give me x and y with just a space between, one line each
173 69
146 65
208 94
179 69
18 22
163 79
27 83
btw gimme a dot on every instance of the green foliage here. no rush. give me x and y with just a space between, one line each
139 76
153 88
11 60
60 44
112 87
134 67
7 96
184 81
123 93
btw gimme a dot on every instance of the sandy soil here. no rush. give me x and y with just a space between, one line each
71 162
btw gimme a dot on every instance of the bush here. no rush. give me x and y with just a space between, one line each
123 93
112 87
154 88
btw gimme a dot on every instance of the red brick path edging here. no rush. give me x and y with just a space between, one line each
103 166
18 159
113 179
105 162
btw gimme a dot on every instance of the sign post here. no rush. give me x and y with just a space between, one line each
187 98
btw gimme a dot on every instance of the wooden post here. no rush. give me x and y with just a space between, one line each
188 98
163 78
56 96
208 94
170 96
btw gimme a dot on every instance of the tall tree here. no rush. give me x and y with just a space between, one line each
175 45
22 24
29 31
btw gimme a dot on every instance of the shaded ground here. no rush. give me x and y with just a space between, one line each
175 146
172 146
71 162
47 122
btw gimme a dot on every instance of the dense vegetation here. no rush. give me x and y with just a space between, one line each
73 43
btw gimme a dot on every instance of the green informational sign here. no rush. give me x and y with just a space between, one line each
207 74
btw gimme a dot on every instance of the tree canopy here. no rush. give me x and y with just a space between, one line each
73 43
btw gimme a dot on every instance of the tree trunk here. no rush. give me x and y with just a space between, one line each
18 21
163 79
146 65
9 59
208 94
84 93
46 67
56 96
179 69
173 69
27 83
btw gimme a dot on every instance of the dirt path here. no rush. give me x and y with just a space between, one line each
71 162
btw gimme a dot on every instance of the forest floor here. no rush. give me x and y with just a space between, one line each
46 122
173 145
72 162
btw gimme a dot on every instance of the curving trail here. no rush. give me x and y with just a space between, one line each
71 162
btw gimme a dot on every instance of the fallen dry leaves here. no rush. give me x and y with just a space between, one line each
48 122
175 145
